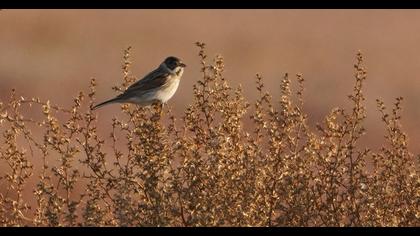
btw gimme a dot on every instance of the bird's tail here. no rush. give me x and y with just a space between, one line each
113 100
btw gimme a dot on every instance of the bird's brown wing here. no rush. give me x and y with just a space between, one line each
153 80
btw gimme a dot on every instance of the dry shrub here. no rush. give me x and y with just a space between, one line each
205 168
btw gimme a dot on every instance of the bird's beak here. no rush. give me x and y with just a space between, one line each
182 64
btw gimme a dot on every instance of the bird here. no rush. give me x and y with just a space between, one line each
157 86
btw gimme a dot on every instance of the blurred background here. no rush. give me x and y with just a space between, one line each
52 54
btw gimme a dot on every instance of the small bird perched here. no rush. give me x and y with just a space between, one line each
157 86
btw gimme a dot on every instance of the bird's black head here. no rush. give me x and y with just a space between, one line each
173 62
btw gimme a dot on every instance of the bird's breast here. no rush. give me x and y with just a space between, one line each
168 90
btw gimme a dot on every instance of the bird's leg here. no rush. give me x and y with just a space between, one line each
161 108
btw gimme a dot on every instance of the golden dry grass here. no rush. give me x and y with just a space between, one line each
205 168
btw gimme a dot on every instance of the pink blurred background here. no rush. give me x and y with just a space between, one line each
52 54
